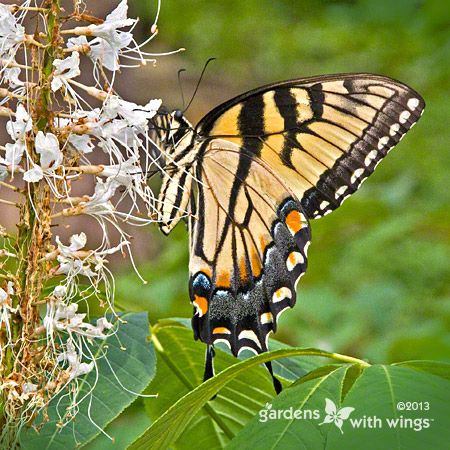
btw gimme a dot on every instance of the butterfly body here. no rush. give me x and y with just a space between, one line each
251 175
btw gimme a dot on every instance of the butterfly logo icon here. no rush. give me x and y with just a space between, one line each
335 415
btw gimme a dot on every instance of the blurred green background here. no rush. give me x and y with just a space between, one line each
377 286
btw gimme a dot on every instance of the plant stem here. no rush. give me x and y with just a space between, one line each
34 235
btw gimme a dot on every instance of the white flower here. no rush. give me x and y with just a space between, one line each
109 28
66 318
81 143
10 288
11 75
103 324
33 175
102 51
76 367
100 203
109 40
115 129
22 124
5 307
73 267
108 53
134 114
123 173
11 32
77 41
335 415
47 146
77 242
81 369
60 292
14 153
65 69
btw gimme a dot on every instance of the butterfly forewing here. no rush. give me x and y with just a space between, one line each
324 136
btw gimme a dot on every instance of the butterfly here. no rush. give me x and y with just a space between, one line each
251 175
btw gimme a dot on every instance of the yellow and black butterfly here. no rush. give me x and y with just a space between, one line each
251 175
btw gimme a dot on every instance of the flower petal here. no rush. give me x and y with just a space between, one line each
33 175
47 146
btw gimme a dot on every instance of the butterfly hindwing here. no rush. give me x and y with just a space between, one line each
324 135
248 250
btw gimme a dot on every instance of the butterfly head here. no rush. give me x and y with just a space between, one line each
177 114
178 128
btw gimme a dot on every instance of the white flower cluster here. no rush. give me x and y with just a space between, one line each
67 150
12 33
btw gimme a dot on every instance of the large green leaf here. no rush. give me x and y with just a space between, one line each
127 369
267 431
180 370
167 429
374 393
441 369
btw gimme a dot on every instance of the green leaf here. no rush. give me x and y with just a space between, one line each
180 370
288 368
377 392
286 432
293 368
124 429
167 429
438 368
374 393
131 356
316 373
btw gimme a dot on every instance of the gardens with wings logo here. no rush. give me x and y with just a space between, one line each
331 414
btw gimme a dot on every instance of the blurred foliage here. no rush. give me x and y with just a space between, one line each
377 283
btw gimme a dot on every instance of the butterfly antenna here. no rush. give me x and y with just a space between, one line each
181 86
198 83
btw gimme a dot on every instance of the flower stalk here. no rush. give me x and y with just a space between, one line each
47 281
34 227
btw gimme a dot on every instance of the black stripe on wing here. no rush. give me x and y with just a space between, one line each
335 128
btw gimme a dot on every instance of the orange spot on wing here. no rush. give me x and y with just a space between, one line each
293 221
221 330
202 304
292 258
256 264
243 270
206 271
223 280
